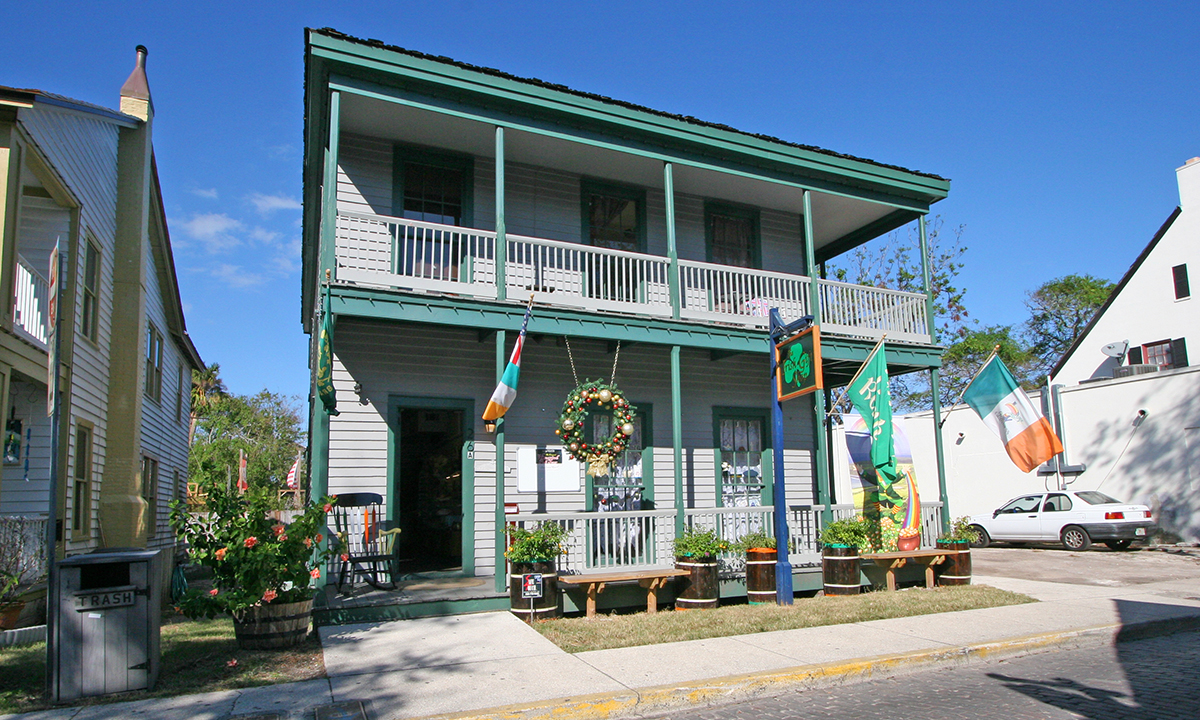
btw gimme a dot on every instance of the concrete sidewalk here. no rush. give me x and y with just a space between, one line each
493 665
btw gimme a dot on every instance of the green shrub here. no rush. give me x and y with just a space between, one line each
699 543
852 532
960 531
542 543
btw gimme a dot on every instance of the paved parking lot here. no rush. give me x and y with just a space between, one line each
1098 566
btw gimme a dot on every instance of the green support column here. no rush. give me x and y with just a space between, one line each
934 384
329 199
673 286
501 231
501 566
677 436
820 421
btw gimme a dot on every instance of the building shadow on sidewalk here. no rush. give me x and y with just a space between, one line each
1155 683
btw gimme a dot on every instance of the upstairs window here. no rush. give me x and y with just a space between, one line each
154 363
1157 354
431 186
1180 276
732 235
90 306
614 216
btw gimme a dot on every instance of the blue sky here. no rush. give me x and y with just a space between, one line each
1060 128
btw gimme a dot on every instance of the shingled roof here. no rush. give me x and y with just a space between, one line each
330 32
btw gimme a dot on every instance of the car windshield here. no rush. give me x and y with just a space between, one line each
1092 497
1029 503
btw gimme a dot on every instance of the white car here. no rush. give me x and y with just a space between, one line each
1074 518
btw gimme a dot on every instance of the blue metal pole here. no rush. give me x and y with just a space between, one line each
783 568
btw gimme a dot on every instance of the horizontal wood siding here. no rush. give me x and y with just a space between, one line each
83 151
27 482
440 362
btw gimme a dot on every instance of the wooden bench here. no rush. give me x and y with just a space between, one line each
891 561
595 583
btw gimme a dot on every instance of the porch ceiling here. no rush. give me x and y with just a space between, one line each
836 218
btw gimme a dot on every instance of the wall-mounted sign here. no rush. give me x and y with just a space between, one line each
547 468
798 368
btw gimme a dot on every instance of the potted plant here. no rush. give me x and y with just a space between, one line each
696 551
534 551
841 540
761 558
15 572
956 568
265 572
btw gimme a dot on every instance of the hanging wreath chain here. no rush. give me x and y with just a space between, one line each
597 395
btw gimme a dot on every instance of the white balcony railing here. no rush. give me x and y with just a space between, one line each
408 254
640 539
31 309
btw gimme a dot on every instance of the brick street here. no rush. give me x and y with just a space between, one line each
1144 679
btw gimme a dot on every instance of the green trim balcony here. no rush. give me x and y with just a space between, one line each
413 256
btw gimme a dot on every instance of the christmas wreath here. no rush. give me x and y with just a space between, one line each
599 395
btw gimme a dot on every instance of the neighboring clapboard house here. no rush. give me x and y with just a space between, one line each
84 177
439 196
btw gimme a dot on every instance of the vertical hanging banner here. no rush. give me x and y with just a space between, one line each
798 364
51 335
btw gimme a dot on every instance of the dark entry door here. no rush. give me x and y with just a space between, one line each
429 487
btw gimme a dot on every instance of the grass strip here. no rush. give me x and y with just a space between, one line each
197 657
620 630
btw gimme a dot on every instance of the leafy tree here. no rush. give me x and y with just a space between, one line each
965 357
207 389
266 426
895 263
1058 312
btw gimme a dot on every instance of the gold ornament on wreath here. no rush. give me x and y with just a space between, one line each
588 396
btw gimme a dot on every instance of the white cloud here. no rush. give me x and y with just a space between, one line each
214 231
267 204
281 151
264 236
210 193
236 276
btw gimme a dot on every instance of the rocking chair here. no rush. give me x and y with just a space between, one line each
365 546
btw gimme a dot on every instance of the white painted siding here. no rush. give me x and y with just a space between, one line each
545 203
431 361
27 481
164 433
83 151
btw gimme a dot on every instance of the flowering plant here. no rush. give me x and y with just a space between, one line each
254 558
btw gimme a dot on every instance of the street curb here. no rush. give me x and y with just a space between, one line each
714 691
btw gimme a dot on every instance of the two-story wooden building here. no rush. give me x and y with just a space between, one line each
83 178
439 196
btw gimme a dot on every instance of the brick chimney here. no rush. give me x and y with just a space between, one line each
135 93
1189 184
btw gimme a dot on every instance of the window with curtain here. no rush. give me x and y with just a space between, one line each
741 468
733 240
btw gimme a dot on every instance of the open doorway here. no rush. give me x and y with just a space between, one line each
428 485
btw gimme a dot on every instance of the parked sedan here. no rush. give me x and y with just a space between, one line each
1074 518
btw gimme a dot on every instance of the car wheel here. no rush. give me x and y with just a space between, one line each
1118 544
1075 538
981 537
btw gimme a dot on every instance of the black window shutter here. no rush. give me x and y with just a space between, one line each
1179 353
1135 356
1180 276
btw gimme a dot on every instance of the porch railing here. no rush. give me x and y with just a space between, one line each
412 255
31 309
642 539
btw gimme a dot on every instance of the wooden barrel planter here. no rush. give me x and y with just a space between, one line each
956 570
760 576
531 609
699 587
269 627
840 568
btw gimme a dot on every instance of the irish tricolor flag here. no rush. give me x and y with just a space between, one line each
506 391
1007 410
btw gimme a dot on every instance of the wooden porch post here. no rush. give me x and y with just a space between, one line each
820 422
501 563
501 232
329 201
673 287
934 385
677 437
